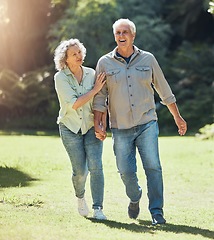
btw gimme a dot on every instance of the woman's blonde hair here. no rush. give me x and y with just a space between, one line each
60 53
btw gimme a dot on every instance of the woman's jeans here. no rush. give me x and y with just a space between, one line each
85 153
145 139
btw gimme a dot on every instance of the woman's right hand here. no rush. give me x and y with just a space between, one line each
100 81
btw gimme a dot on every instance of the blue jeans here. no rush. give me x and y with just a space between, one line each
145 139
85 153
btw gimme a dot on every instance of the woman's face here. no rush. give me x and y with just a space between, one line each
74 56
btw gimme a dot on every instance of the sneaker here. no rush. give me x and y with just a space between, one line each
98 214
158 219
82 207
133 210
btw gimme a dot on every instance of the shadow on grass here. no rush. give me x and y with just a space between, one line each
12 177
133 227
146 226
169 227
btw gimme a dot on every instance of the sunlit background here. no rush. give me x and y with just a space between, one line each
179 33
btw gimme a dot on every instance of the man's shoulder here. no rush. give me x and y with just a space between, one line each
88 69
145 53
107 56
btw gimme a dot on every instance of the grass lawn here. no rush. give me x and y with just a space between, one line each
37 199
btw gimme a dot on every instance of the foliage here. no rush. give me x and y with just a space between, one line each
211 7
190 21
27 98
86 22
206 132
96 28
188 11
193 83
10 85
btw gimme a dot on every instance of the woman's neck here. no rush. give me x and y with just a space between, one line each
77 72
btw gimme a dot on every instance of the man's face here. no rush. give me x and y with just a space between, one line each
123 36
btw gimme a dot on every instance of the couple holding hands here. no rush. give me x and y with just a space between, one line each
123 84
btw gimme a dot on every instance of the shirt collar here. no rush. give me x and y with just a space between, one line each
136 52
67 71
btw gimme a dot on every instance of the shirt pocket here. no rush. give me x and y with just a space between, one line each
144 72
112 75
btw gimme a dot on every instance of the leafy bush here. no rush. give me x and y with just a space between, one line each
206 132
28 101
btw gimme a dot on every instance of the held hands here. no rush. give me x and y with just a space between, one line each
181 124
100 125
100 81
100 133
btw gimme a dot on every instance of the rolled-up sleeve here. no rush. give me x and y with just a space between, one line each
161 85
99 102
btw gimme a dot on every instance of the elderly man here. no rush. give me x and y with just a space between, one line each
131 76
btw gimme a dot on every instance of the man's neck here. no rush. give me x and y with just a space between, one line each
127 52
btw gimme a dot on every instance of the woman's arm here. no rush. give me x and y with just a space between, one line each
86 97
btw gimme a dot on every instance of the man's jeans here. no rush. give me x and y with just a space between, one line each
85 153
145 139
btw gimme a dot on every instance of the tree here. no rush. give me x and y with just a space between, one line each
190 21
87 22
190 65
192 71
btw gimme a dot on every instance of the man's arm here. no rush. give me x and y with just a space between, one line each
99 106
180 122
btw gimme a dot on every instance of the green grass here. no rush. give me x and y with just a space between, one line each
37 200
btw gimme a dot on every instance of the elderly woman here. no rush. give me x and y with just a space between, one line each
76 86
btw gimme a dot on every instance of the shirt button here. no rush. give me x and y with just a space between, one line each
130 85
131 95
128 76
132 105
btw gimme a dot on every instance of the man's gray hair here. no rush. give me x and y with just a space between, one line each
126 21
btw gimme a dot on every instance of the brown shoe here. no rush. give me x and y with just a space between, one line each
133 210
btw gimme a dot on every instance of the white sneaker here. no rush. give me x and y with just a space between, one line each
82 207
98 214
